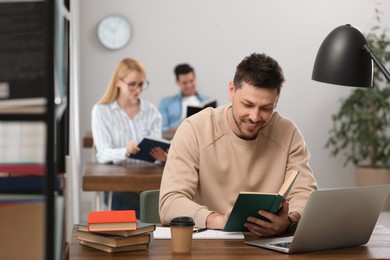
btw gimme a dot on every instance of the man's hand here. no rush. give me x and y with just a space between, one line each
217 221
276 225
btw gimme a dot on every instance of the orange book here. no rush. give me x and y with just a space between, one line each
113 220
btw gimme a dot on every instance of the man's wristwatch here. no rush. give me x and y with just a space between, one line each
293 223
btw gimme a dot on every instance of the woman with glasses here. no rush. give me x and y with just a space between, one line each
121 119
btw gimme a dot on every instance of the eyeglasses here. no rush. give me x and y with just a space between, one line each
142 85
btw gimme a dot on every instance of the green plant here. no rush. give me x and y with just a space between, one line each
361 128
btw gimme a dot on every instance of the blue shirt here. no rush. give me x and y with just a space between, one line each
112 129
171 110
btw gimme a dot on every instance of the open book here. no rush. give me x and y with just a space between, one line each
195 109
146 145
249 203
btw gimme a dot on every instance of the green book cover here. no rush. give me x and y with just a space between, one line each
249 203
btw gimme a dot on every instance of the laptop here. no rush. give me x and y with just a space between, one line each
333 218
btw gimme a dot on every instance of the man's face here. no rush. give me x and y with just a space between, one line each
252 108
187 84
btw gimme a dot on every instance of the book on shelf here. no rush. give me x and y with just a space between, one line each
27 184
146 145
14 199
22 142
249 203
112 220
23 110
113 240
22 226
195 109
141 229
25 214
110 249
18 104
23 168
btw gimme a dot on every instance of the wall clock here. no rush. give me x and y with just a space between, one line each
114 32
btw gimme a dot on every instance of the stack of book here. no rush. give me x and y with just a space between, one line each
22 157
115 231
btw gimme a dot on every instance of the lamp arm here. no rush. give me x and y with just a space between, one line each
377 62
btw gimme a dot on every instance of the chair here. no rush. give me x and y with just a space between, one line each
149 206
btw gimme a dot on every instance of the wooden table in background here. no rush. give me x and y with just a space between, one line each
132 176
377 247
88 140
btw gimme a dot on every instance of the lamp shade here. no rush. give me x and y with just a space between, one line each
342 59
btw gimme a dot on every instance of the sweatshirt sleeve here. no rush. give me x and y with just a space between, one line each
298 158
180 179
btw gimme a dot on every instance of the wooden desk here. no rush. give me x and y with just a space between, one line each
121 177
138 176
88 140
377 247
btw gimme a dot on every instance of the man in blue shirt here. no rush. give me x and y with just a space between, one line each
173 108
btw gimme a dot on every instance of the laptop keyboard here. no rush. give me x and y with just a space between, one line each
284 244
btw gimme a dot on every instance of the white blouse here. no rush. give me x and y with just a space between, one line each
112 129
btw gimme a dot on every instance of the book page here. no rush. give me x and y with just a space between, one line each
209 103
288 183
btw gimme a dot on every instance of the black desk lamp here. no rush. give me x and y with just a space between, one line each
345 58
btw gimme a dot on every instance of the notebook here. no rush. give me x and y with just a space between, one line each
333 218
165 233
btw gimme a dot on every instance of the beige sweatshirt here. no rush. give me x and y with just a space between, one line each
208 165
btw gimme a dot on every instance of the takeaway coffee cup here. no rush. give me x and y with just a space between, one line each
181 234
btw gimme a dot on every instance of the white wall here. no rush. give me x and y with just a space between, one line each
213 36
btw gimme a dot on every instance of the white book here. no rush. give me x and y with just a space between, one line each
22 142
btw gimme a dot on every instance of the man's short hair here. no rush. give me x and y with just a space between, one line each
182 69
260 71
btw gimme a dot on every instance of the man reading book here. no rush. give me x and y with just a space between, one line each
243 146
174 108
